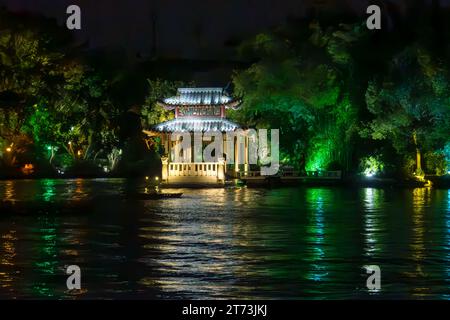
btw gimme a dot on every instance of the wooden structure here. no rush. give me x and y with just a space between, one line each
199 110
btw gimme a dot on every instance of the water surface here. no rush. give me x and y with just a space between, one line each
241 243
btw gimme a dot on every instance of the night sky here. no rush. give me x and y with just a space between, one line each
206 31
187 29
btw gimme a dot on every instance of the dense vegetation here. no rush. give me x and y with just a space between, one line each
343 98
348 98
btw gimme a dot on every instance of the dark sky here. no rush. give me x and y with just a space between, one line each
192 29
184 28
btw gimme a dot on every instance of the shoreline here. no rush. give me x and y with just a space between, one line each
442 182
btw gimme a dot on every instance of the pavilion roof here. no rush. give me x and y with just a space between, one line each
200 97
196 125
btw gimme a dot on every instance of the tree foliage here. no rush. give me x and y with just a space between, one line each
48 97
411 103
301 88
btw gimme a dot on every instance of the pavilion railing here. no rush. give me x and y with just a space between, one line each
325 174
192 169
292 173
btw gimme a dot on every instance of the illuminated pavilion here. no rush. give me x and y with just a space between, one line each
199 110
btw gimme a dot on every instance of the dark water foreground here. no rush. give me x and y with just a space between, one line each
297 243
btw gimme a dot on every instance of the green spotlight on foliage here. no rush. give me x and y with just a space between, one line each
319 159
447 156
371 165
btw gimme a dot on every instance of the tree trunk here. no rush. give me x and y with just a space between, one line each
52 155
70 151
418 154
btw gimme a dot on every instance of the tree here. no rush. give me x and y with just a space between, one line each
151 112
48 97
411 104
300 84
27 70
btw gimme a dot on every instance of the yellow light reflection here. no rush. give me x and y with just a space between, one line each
185 244
7 261
421 199
10 192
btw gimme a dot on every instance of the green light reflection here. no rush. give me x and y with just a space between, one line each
316 233
46 263
49 190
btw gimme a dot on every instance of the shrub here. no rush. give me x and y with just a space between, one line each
435 163
371 165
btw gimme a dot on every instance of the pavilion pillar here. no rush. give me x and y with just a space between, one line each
165 169
192 148
246 156
225 148
169 147
165 142
236 154
221 170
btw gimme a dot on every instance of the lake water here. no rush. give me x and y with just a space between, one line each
289 243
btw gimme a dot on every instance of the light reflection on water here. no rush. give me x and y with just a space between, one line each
7 262
9 191
223 243
373 220
421 199
316 229
447 246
